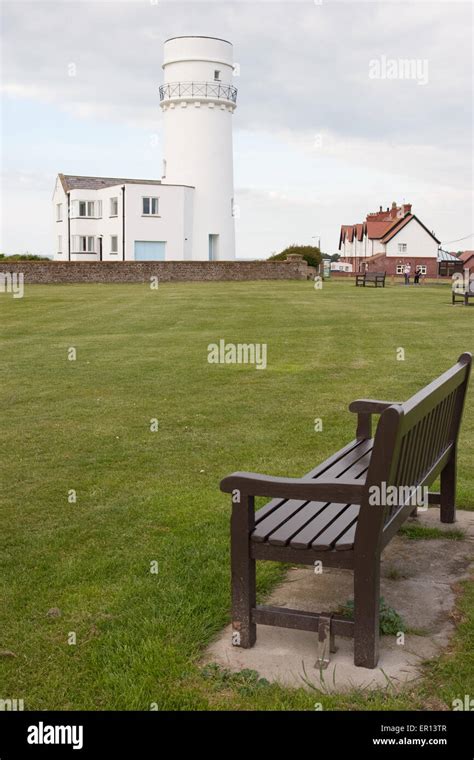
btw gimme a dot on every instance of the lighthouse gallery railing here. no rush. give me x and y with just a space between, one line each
198 89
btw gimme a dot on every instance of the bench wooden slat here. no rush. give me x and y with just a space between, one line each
334 466
341 468
447 417
326 539
414 463
426 451
277 518
353 446
346 541
282 535
417 471
411 462
287 518
317 525
437 443
359 468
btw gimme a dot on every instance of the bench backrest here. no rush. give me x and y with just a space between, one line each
414 441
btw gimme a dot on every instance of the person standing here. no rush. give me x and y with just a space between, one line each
407 272
417 276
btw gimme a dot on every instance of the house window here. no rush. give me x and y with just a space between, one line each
98 208
448 268
60 243
150 206
59 212
87 209
114 207
113 244
83 244
217 75
400 268
421 268
402 248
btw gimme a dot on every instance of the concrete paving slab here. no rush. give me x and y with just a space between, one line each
418 580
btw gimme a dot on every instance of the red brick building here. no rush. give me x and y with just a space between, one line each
388 241
467 258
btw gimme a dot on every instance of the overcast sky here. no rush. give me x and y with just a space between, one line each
318 141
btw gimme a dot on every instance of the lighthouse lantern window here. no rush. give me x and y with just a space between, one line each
217 75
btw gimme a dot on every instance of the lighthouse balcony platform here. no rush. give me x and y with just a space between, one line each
198 91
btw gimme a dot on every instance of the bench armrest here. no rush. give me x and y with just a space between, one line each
365 408
372 406
349 492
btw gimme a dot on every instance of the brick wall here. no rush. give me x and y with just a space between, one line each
382 263
389 264
46 272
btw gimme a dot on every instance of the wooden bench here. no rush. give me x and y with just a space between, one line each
376 278
463 294
329 515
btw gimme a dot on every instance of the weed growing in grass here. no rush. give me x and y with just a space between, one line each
245 682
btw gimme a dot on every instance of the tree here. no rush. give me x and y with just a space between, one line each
310 253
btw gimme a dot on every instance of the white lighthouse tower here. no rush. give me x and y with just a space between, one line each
198 99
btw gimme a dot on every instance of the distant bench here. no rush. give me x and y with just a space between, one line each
463 294
376 278
328 515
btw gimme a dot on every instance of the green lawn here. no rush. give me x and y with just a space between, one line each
147 496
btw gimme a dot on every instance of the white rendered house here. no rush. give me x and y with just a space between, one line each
393 238
188 214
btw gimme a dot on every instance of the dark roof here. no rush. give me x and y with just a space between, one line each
77 182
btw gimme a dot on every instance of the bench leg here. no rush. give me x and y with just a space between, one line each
366 613
448 492
243 574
